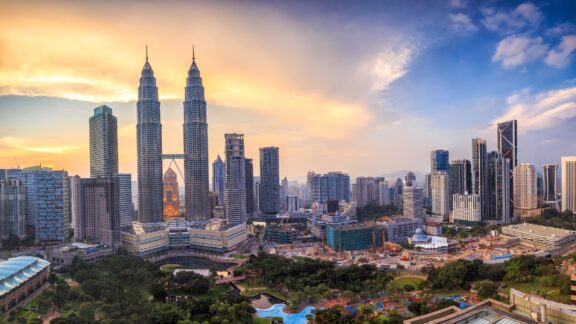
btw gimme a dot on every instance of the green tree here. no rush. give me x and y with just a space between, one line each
486 289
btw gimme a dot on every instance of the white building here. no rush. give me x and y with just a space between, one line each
525 194
467 209
569 183
413 202
440 194
546 236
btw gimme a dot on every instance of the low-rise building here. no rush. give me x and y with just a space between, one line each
428 244
144 239
400 228
352 237
20 277
281 234
217 236
545 236
89 253
542 310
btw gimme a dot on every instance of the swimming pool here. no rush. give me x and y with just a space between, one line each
276 311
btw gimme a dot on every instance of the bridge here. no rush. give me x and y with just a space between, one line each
229 280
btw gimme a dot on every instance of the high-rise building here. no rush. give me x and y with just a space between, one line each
498 192
269 181
480 172
409 179
439 161
525 197
366 192
330 186
427 190
74 192
507 138
47 204
284 192
149 139
467 209
99 220
171 195
218 179
550 186
125 198
460 177
569 183
293 203
103 143
235 185
249 175
256 194
414 202
12 208
195 147
398 192
440 194
384 193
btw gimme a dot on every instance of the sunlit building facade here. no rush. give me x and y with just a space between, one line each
171 195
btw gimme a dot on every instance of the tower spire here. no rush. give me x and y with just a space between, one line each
146 52
193 56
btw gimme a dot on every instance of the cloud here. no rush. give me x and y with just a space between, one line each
391 64
559 56
524 16
55 150
540 111
458 3
517 50
462 23
561 29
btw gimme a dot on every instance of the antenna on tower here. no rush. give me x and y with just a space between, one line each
146 52
193 55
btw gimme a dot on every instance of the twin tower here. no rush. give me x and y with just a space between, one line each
149 138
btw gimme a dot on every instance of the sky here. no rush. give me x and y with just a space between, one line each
366 88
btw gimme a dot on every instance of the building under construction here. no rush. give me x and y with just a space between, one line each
352 237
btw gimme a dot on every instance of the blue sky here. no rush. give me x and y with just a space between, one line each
362 87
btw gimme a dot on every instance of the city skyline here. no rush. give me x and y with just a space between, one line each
514 68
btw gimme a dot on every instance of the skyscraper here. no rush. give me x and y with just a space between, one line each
480 172
439 160
99 220
525 196
235 186
103 143
330 186
498 203
460 177
12 208
569 183
171 195
149 139
414 202
218 179
125 196
284 191
269 181
440 194
249 175
467 209
256 194
366 192
550 186
47 204
75 203
195 147
507 138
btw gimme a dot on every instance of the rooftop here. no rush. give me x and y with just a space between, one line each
15 271
540 230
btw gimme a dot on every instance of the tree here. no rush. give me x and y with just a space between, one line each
164 314
486 289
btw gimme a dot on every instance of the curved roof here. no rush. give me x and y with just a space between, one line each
18 270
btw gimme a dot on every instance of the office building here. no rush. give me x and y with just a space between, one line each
249 175
384 193
269 181
103 143
368 190
75 203
218 179
126 206
440 194
409 179
400 228
439 161
149 142
525 197
293 203
284 191
47 204
550 185
480 173
12 208
197 202
21 277
413 202
460 177
171 195
507 138
99 220
467 209
499 190
235 185
330 186
569 183
256 194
